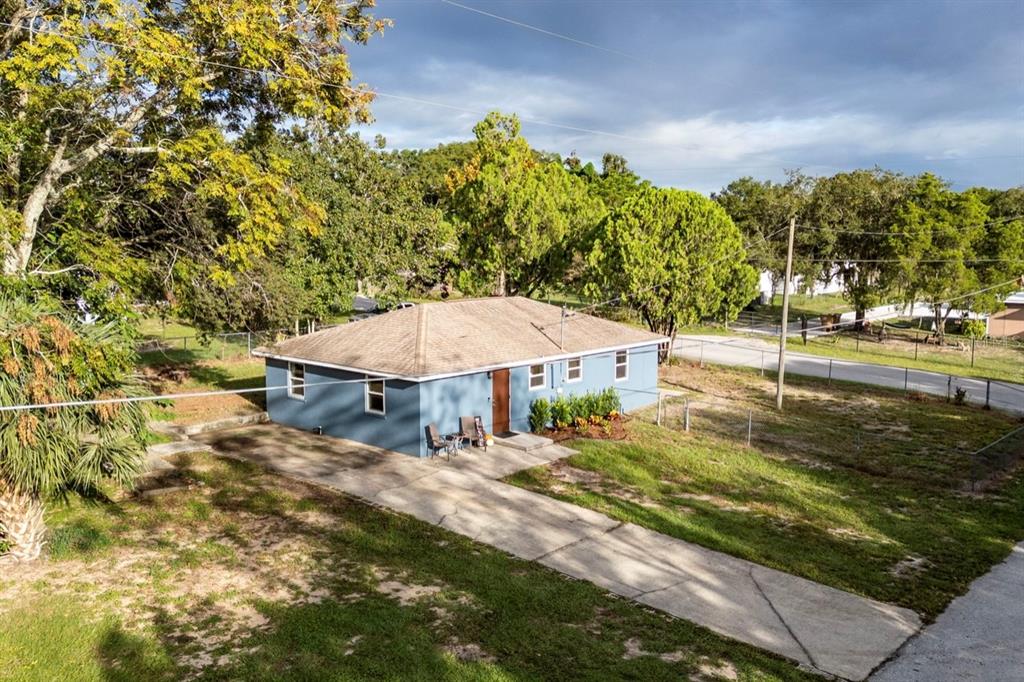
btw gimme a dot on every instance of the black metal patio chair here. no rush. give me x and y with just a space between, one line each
434 441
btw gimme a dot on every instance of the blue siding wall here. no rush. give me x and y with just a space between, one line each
638 390
443 401
340 408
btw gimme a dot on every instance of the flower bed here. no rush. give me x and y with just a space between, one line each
588 415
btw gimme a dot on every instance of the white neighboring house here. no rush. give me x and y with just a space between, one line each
764 286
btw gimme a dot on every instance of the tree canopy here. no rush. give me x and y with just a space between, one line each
674 256
761 210
162 87
521 218
852 215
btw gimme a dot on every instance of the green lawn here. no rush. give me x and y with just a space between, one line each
240 574
859 489
802 304
901 349
203 376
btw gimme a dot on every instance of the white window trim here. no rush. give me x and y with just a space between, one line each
568 378
291 382
383 396
543 375
615 367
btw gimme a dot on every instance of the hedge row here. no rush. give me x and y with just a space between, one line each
571 410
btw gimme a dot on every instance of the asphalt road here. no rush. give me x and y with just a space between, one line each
979 637
739 351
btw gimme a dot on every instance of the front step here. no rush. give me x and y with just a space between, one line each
526 442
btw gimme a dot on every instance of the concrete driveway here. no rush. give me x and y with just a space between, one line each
737 351
819 627
979 637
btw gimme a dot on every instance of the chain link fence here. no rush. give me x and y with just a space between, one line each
1007 396
225 346
889 450
898 343
991 461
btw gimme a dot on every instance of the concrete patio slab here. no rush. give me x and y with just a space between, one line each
523 441
822 628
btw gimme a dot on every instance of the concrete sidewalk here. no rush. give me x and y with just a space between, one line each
822 628
979 637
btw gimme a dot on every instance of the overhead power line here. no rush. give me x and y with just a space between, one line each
175 396
538 29
893 233
591 306
329 84
804 164
844 261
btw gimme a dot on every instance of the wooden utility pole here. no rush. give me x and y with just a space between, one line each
785 315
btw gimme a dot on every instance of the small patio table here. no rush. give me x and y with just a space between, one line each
455 442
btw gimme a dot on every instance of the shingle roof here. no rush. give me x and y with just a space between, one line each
458 336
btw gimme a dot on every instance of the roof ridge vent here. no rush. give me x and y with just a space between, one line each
420 359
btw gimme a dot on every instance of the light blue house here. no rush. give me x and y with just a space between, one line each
381 380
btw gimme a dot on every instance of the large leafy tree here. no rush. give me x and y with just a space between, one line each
520 216
761 209
852 217
46 357
428 168
380 237
999 252
164 85
936 236
674 256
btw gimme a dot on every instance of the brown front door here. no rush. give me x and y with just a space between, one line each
499 400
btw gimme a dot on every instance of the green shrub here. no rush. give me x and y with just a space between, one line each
974 329
540 414
608 401
561 412
584 408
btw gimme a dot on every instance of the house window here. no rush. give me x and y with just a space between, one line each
574 369
375 396
296 381
536 377
621 365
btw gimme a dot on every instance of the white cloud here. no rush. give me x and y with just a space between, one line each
716 146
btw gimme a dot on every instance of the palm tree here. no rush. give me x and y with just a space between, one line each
50 453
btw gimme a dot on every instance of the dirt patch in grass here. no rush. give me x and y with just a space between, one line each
570 474
634 649
254 576
405 592
207 375
709 670
470 652
910 566
567 479
212 582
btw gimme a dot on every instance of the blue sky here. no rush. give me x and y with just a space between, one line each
695 94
